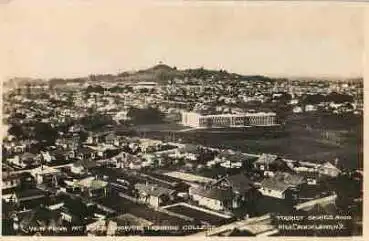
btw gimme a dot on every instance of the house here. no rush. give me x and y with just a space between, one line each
39 220
9 185
279 165
77 168
240 184
243 188
96 227
25 160
297 109
46 175
309 192
93 187
264 161
310 108
212 197
62 155
130 221
154 195
10 181
76 212
301 167
135 164
46 157
329 169
312 178
76 128
188 152
93 139
111 139
279 184
165 181
21 146
230 164
228 160
24 197
121 116
69 141
86 153
189 178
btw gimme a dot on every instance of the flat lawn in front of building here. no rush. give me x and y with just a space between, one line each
309 137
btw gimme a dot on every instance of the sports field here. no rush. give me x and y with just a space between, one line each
309 137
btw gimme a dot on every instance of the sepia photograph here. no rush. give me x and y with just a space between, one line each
182 118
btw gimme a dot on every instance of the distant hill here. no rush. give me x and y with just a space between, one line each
331 79
21 81
162 73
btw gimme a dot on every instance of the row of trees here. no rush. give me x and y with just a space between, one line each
41 132
332 97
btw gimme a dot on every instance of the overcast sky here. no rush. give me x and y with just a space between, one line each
76 38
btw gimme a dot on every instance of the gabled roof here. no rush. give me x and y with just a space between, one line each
153 190
9 177
86 163
329 165
85 150
38 217
92 183
110 136
190 148
29 193
58 152
240 183
281 181
27 155
212 192
237 156
266 159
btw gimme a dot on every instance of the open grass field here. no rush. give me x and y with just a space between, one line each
309 137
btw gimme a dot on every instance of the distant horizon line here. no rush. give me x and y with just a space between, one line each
134 70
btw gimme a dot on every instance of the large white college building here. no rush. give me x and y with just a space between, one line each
197 120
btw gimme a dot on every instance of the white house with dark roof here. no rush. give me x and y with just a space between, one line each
154 195
212 197
45 174
277 185
93 187
329 169
10 181
263 162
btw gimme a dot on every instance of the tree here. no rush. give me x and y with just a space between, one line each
145 116
83 136
45 133
339 98
16 131
313 99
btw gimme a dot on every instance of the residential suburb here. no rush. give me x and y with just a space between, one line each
173 152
